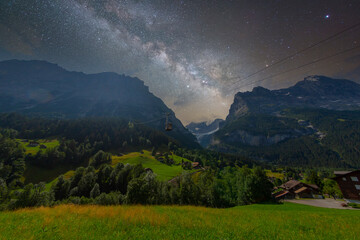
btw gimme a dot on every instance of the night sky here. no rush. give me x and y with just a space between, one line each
194 54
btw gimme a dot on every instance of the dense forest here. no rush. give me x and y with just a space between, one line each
225 180
323 138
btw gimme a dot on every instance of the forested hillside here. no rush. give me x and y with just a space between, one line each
89 147
295 137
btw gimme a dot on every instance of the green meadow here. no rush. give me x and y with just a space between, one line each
260 221
163 171
33 150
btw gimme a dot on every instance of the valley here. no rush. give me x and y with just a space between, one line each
190 119
55 158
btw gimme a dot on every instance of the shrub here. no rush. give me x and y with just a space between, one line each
113 198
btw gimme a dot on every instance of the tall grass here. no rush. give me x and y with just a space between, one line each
288 221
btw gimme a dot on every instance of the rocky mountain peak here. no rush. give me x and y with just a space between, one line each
314 91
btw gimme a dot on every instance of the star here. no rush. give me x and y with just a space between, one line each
186 49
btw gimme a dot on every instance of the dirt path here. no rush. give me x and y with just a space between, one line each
325 203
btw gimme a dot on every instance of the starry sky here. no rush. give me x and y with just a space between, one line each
193 54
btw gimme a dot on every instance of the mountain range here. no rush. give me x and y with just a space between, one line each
45 89
312 92
313 123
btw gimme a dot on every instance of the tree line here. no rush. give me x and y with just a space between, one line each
132 184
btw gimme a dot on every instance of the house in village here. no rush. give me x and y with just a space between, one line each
196 165
33 144
296 189
349 184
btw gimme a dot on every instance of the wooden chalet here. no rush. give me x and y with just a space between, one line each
349 184
196 165
296 189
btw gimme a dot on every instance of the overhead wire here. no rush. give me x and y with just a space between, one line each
301 66
297 53
154 120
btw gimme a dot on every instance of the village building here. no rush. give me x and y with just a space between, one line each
196 165
296 189
33 144
349 184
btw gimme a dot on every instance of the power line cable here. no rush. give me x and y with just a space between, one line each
154 120
298 52
301 66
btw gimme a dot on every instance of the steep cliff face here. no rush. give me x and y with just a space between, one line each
305 124
312 92
259 130
38 87
243 137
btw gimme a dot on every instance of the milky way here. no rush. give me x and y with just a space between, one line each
192 54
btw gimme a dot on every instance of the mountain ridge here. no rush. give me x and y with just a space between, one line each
312 92
313 123
40 87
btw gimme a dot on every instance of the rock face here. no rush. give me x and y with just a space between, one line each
243 137
38 87
255 118
312 92
303 125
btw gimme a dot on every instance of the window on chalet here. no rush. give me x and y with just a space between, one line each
357 187
354 179
344 178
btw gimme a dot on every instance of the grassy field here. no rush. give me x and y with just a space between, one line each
287 221
163 171
278 175
33 150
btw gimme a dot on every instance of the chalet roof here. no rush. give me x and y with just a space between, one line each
344 173
313 186
338 173
290 184
195 164
301 190
282 194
